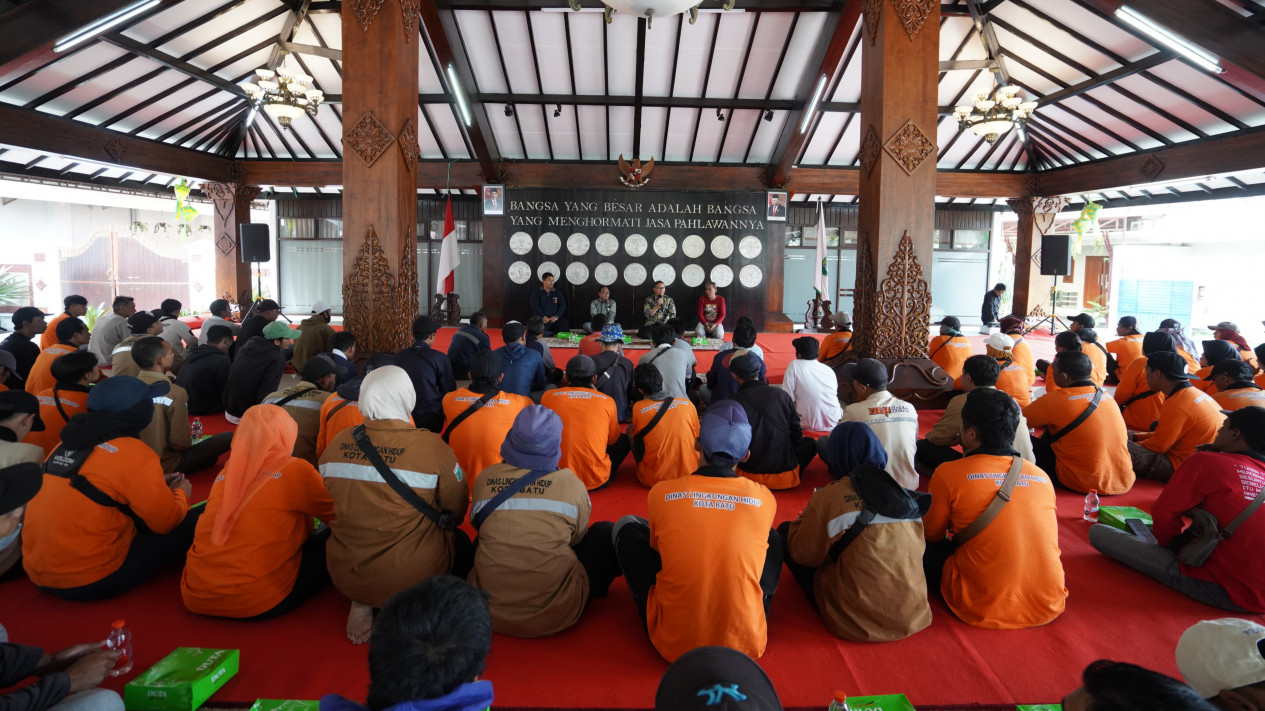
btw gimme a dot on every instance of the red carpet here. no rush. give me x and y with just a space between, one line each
606 661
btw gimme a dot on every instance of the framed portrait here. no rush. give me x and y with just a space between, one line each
775 205
493 200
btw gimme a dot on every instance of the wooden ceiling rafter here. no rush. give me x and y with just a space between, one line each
979 11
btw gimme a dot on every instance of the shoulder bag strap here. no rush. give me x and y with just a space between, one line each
850 535
466 413
994 507
1080 419
1243 516
655 357
937 350
334 411
65 463
607 373
524 481
1139 396
466 334
445 520
639 440
291 397
57 401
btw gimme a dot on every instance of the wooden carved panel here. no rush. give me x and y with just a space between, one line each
408 285
117 149
863 297
411 9
1152 168
370 301
1021 206
872 11
366 11
909 147
913 14
407 141
369 138
229 199
871 149
902 307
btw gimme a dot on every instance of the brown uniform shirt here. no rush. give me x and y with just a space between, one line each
380 544
525 562
168 433
876 590
306 411
121 361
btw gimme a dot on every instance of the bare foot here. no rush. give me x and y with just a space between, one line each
359 622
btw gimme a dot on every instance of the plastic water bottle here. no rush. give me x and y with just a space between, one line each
120 639
195 429
1091 506
840 702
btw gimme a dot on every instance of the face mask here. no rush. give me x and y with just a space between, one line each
9 539
945 330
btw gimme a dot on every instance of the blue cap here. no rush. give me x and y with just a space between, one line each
123 392
611 334
724 434
535 439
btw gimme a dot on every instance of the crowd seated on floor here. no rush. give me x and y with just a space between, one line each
390 453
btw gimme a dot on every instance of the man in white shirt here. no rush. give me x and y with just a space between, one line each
221 315
673 363
894 421
111 328
813 387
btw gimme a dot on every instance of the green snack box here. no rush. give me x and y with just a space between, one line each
563 335
627 340
182 680
890 702
1115 516
284 705
1042 707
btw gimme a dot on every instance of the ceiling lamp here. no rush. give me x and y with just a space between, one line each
651 9
284 94
991 118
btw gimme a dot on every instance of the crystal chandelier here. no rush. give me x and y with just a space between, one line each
651 9
283 94
992 117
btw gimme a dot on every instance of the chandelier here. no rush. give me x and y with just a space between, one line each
992 117
283 94
651 9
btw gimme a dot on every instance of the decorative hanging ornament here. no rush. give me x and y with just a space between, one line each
184 211
1087 222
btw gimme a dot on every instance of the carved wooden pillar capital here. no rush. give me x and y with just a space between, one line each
232 210
1021 206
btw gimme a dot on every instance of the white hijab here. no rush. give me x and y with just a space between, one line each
387 394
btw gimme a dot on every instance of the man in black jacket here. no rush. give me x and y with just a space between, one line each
468 340
614 370
265 313
205 372
28 323
257 370
431 373
991 310
779 449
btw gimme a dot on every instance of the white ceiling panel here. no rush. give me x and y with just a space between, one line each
516 47
660 53
1137 112
770 37
505 131
426 140
531 119
444 122
476 35
563 133
587 42
592 126
823 138
550 32
60 73
654 120
1175 105
621 55
1194 81
691 65
729 51
621 130
807 33
766 138
681 134
742 124
707 145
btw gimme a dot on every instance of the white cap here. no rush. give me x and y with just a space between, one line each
1000 341
320 307
1216 655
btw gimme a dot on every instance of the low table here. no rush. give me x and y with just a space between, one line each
636 343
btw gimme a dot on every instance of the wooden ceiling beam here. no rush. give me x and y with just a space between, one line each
827 58
32 28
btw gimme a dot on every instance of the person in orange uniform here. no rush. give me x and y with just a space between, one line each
1189 418
1235 389
1228 332
667 450
1065 341
704 564
1009 576
1012 379
1096 351
1095 453
839 341
477 438
1022 353
78 549
75 307
72 333
1186 348
255 555
1140 405
1125 349
341 410
592 445
950 349
75 373
1215 352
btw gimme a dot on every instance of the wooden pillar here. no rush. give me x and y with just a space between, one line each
1030 289
233 280
900 65
380 55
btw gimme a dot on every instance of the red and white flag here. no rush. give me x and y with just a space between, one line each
449 255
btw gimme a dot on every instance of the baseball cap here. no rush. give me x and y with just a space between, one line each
1217 351
512 331
611 334
1236 369
276 330
25 314
1000 342
423 326
1250 422
724 433
1216 655
10 362
19 483
268 305
486 364
745 366
1223 325
15 402
123 392
581 366
841 318
1168 363
141 321
1084 319
806 347
320 307
320 365
716 679
952 322
866 371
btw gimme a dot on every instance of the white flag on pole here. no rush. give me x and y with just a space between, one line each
821 281
449 254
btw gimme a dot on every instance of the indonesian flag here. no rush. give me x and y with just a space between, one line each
821 282
449 255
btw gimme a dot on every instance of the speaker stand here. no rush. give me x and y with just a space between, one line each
259 290
1052 318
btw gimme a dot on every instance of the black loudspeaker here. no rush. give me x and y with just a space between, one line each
1056 255
254 243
